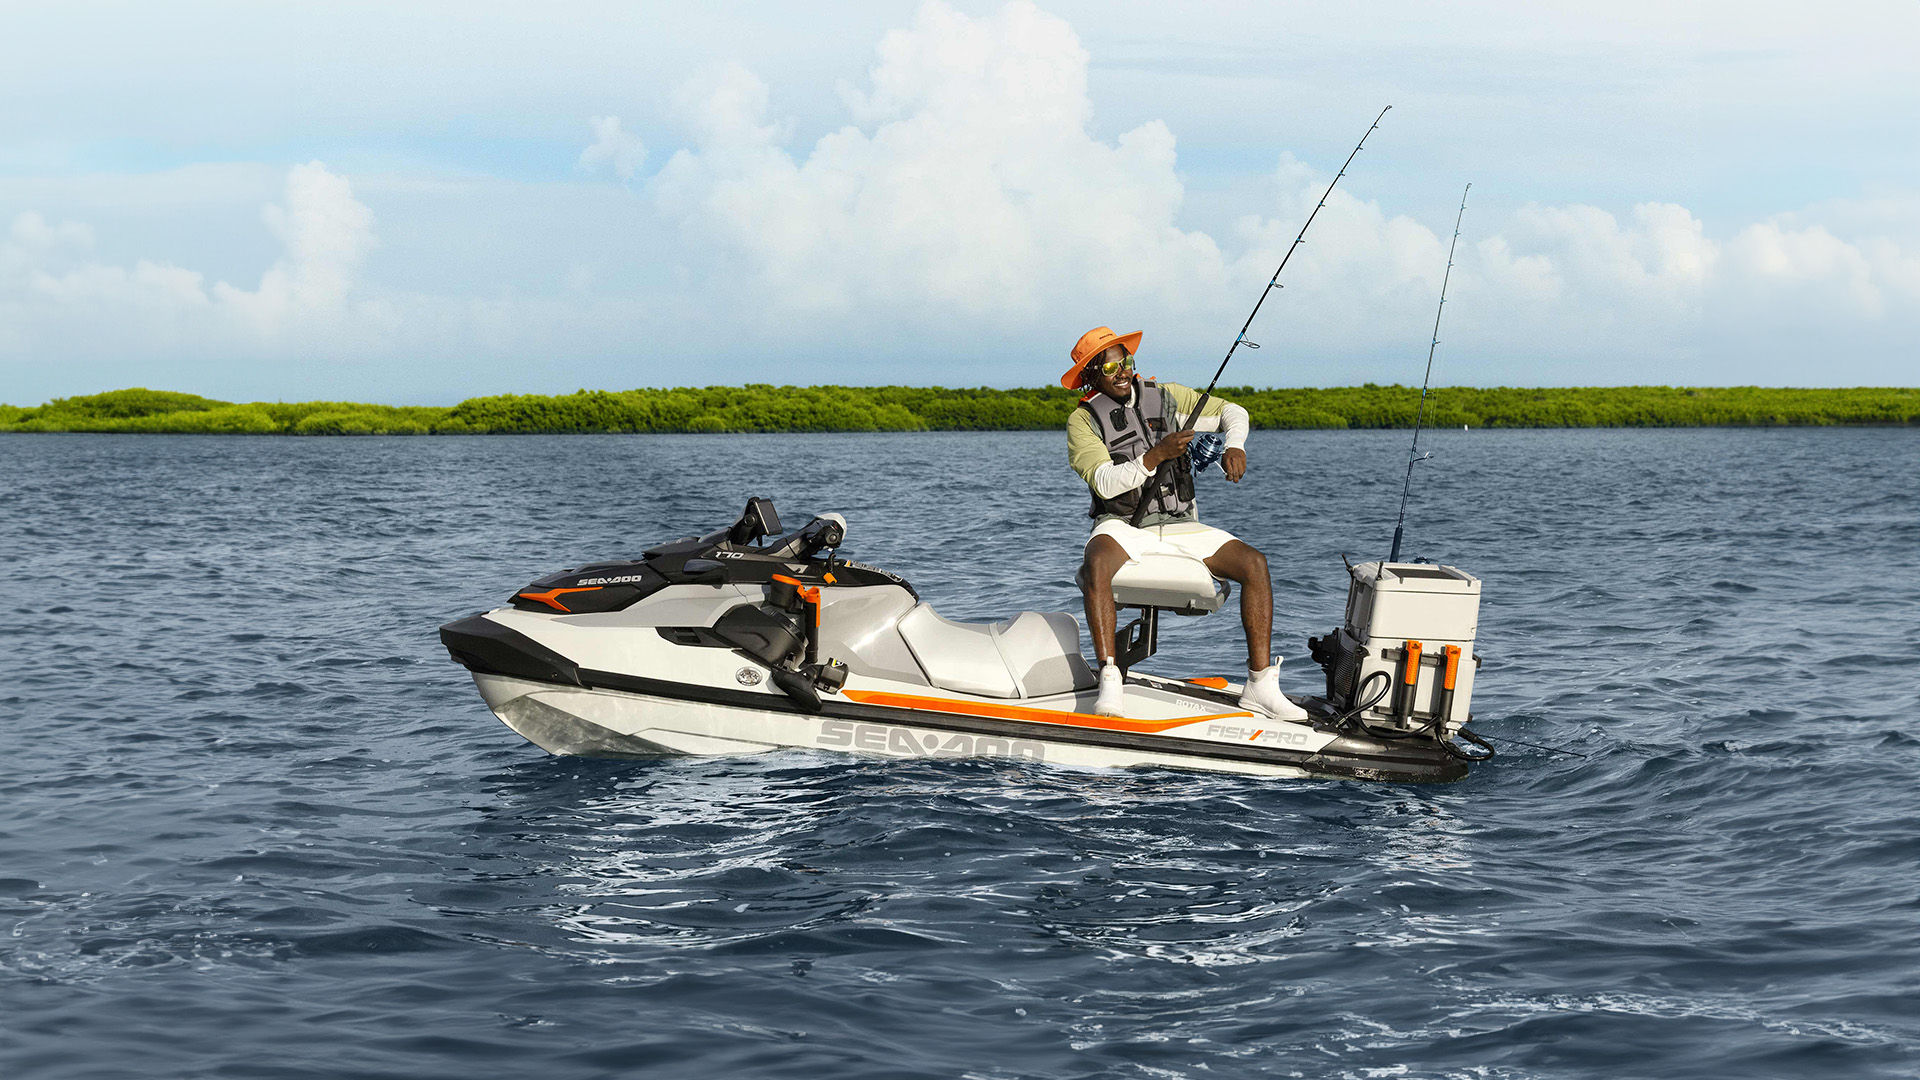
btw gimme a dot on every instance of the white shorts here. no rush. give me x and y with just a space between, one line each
1181 538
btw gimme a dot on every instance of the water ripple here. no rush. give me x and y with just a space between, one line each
255 824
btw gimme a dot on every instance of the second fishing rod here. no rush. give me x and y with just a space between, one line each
1160 483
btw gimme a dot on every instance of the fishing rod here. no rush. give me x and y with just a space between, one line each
1153 484
1413 454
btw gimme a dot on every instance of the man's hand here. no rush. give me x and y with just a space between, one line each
1234 464
1167 449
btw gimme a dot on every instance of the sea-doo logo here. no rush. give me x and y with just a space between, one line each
621 580
747 676
888 574
884 739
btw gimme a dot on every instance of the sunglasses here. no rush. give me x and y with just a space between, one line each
1109 367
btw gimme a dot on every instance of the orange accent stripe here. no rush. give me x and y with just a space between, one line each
1216 682
547 597
785 578
1018 712
1257 733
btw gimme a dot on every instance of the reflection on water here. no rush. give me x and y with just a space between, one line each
730 854
1422 835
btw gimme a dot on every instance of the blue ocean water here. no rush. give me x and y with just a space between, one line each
253 823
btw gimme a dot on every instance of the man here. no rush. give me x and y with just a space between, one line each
1126 428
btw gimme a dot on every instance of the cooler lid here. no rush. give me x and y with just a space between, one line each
1415 577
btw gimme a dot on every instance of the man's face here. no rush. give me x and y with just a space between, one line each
1118 384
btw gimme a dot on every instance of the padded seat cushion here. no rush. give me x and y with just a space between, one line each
1042 651
1179 583
1032 654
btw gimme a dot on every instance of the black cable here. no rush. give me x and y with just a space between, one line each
1340 721
1433 730
1476 740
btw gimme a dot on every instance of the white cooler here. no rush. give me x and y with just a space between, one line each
1411 621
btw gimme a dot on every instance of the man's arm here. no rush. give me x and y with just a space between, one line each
1220 414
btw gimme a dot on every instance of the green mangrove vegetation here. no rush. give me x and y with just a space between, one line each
764 408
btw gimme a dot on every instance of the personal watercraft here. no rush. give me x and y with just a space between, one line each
749 639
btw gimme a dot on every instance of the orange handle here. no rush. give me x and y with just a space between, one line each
1452 653
551 597
1412 674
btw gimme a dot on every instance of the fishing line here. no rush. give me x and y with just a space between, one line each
1152 490
1536 746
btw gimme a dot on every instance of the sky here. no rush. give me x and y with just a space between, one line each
425 202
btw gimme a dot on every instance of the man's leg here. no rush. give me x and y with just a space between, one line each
1248 567
1241 564
1104 558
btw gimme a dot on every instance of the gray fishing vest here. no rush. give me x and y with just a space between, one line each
1131 430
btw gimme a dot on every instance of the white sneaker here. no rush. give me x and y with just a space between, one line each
1112 699
1263 695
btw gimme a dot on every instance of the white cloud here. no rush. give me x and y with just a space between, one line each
969 205
1803 288
614 148
50 284
972 186
326 233
32 235
1773 257
1612 300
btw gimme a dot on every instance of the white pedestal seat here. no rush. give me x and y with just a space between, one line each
1181 584
1154 583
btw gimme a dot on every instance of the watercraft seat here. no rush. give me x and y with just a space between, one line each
1030 655
1177 583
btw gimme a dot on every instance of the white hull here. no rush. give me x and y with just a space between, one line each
613 723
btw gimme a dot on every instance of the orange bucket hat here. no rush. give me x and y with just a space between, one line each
1092 344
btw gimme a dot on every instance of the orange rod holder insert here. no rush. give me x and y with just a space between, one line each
1409 680
1449 674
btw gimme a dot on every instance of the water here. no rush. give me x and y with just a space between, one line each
254 824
